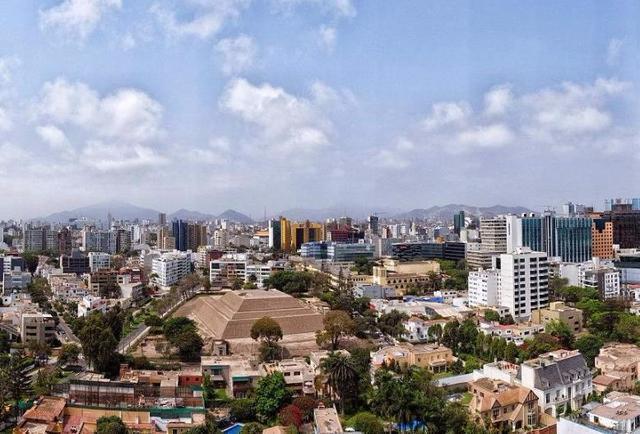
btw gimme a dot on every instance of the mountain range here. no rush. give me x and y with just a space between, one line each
127 211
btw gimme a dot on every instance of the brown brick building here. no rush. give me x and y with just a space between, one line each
602 238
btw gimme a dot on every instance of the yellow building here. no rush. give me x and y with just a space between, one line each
294 234
558 311
434 357
403 275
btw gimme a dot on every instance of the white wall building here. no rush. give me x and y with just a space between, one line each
519 281
90 303
483 288
524 281
99 261
169 268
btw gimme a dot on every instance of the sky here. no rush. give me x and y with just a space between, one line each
277 104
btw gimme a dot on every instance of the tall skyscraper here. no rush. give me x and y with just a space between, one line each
162 219
374 224
275 234
458 222
180 234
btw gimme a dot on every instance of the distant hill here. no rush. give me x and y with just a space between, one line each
446 212
186 214
99 211
126 211
235 216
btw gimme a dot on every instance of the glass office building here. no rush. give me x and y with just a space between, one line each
566 237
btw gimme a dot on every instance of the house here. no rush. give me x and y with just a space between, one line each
558 311
434 357
618 413
298 375
618 364
326 421
559 378
417 329
503 405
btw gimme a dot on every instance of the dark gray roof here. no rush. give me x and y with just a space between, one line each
551 374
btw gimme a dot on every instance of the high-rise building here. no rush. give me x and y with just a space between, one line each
374 224
76 262
293 235
162 219
458 222
180 234
65 241
275 234
626 225
566 237
170 268
602 239
196 236
493 241
99 261
518 281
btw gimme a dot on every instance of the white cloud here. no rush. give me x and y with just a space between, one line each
127 114
288 123
118 129
237 54
112 157
614 50
447 114
56 139
498 100
561 119
337 8
207 17
76 18
7 68
327 37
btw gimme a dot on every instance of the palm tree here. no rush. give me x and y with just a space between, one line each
341 374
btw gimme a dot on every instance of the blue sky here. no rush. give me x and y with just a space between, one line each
212 104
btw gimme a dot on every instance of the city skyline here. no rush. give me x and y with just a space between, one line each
302 103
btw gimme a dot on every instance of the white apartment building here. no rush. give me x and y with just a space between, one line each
519 282
229 269
483 288
169 268
597 274
90 303
524 281
99 261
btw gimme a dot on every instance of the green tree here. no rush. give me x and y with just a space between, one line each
69 353
435 332
491 315
242 410
367 423
589 345
392 323
111 425
266 329
561 331
45 380
270 395
337 324
252 428
98 343
540 344
628 328
342 375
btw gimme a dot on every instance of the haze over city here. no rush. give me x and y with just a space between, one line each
301 103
